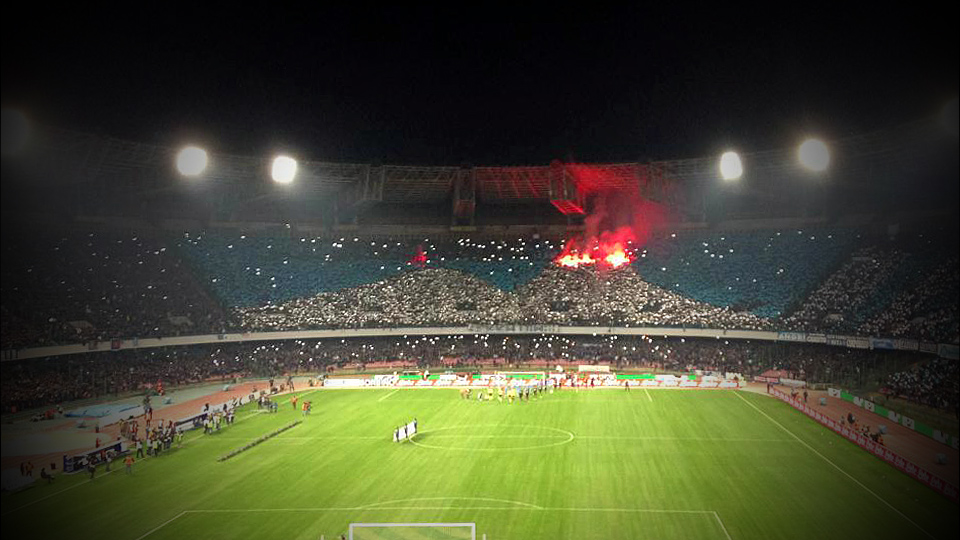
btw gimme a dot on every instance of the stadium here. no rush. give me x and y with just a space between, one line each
202 339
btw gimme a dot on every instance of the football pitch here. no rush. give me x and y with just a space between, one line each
594 464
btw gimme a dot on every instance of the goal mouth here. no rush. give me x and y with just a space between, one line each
413 531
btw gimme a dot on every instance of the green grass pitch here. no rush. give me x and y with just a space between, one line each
599 464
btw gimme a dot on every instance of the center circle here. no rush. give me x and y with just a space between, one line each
492 438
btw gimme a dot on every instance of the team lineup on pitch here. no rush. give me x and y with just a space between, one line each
693 464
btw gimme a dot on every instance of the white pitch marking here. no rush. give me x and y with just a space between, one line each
508 436
375 507
647 392
388 395
162 525
485 499
722 526
834 465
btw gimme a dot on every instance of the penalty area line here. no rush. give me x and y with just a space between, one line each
649 397
722 526
162 525
374 507
834 465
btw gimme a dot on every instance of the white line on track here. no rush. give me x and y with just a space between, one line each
388 395
834 465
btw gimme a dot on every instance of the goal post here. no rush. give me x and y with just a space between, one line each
413 531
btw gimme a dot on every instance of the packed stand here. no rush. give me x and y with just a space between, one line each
927 311
836 302
763 272
69 287
435 297
30 384
78 286
933 383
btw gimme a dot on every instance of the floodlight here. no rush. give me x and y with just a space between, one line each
731 168
814 155
191 161
284 169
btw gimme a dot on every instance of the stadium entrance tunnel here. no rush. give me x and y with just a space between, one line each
492 438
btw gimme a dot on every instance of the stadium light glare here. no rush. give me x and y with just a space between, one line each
731 168
192 161
814 155
284 169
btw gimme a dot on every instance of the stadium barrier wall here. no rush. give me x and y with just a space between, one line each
854 342
77 462
896 417
905 466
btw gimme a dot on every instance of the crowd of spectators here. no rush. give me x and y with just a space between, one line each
38 383
933 383
76 286
764 272
436 297
837 300
927 310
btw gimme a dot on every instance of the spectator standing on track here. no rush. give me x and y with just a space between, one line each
128 464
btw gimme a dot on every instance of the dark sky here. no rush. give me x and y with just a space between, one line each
454 85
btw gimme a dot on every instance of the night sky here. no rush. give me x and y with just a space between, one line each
459 86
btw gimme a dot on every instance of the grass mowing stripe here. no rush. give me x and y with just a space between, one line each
640 460
834 465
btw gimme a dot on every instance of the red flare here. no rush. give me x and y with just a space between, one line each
613 255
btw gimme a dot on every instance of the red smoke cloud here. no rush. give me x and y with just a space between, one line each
618 224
